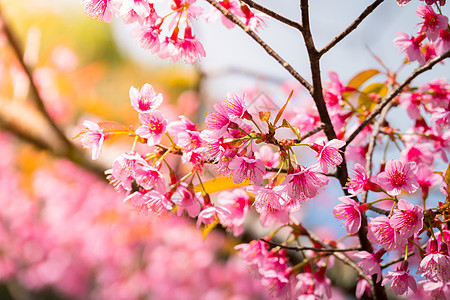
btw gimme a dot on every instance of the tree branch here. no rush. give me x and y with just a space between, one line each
372 141
266 47
331 250
351 27
37 97
273 14
428 66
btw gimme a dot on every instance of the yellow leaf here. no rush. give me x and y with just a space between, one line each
365 102
282 109
219 184
360 78
207 229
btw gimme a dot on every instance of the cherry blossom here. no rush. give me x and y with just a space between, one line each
92 136
328 154
350 212
398 177
244 167
411 46
435 265
407 219
370 263
433 23
145 99
153 127
303 184
401 280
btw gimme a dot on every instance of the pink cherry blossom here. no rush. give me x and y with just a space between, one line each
397 177
329 154
99 9
140 7
145 99
275 273
432 23
362 287
427 179
152 128
148 177
442 44
271 159
92 136
370 263
231 5
412 103
350 212
148 37
237 202
189 49
271 203
436 289
211 213
151 201
236 107
384 234
218 121
358 181
254 254
411 47
244 167
435 265
401 280
407 219
418 153
186 200
122 173
303 184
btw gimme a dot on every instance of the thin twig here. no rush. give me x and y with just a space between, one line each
310 133
351 27
343 258
331 250
266 47
383 266
394 93
379 210
273 14
372 141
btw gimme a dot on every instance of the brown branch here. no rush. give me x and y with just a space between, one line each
379 210
394 93
266 47
372 142
351 27
37 97
331 250
343 258
310 133
273 14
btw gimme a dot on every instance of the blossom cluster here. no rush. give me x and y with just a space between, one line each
229 144
64 229
240 154
433 27
165 27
